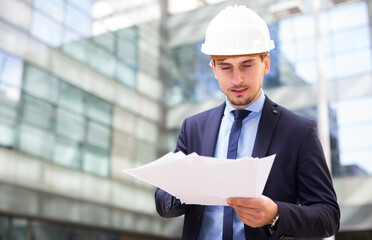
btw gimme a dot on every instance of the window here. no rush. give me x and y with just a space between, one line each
11 69
54 120
354 128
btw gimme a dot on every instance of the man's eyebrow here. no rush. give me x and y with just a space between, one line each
249 60
221 62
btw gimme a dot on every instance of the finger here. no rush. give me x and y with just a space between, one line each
245 202
250 220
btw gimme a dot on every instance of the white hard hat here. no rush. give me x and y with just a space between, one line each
237 30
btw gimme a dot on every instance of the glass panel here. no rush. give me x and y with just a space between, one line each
352 63
38 112
53 8
77 234
67 153
126 75
7 136
102 61
127 52
19 231
299 30
84 5
305 49
96 161
350 40
127 34
70 125
2 61
36 141
307 71
286 32
106 40
46 29
354 128
107 236
4 228
11 95
75 47
99 110
78 21
41 84
11 74
99 135
9 102
46 231
71 98
349 16
288 52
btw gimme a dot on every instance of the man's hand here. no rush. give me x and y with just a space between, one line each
254 212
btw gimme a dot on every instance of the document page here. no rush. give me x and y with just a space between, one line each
203 180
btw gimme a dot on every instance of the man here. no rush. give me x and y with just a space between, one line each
298 200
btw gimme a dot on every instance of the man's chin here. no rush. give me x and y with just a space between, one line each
240 103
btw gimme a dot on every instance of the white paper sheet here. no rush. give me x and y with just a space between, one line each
203 180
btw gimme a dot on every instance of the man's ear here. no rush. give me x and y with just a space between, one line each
211 63
267 63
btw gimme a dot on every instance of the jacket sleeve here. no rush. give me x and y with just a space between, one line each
167 205
317 215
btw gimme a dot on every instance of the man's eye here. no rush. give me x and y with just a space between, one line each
225 68
247 66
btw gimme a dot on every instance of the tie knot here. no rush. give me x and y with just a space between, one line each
240 114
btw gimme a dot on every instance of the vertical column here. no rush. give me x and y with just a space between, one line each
322 101
162 144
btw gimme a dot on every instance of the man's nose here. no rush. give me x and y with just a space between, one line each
237 77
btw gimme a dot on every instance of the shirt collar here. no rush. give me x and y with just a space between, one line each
255 107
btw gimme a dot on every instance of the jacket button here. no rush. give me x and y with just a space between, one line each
199 216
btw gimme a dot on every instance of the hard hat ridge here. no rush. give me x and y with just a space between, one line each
237 30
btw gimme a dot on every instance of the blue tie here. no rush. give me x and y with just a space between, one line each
232 150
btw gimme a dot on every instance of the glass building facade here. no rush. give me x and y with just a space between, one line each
88 88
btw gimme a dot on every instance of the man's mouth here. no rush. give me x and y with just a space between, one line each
239 91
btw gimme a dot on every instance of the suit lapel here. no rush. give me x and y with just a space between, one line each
266 127
211 130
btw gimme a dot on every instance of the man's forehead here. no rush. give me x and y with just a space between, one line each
239 59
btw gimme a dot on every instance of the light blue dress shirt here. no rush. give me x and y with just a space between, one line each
212 223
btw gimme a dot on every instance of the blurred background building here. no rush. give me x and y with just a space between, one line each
91 87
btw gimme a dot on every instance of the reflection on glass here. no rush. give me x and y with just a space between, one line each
96 161
40 84
354 125
36 141
46 30
4 227
67 153
77 234
71 98
70 125
99 135
107 236
76 48
38 113
52 8
78 20
19 229
46 231
99 110
11 73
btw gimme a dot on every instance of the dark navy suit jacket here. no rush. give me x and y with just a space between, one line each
299 181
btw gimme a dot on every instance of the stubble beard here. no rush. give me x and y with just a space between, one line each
243 101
